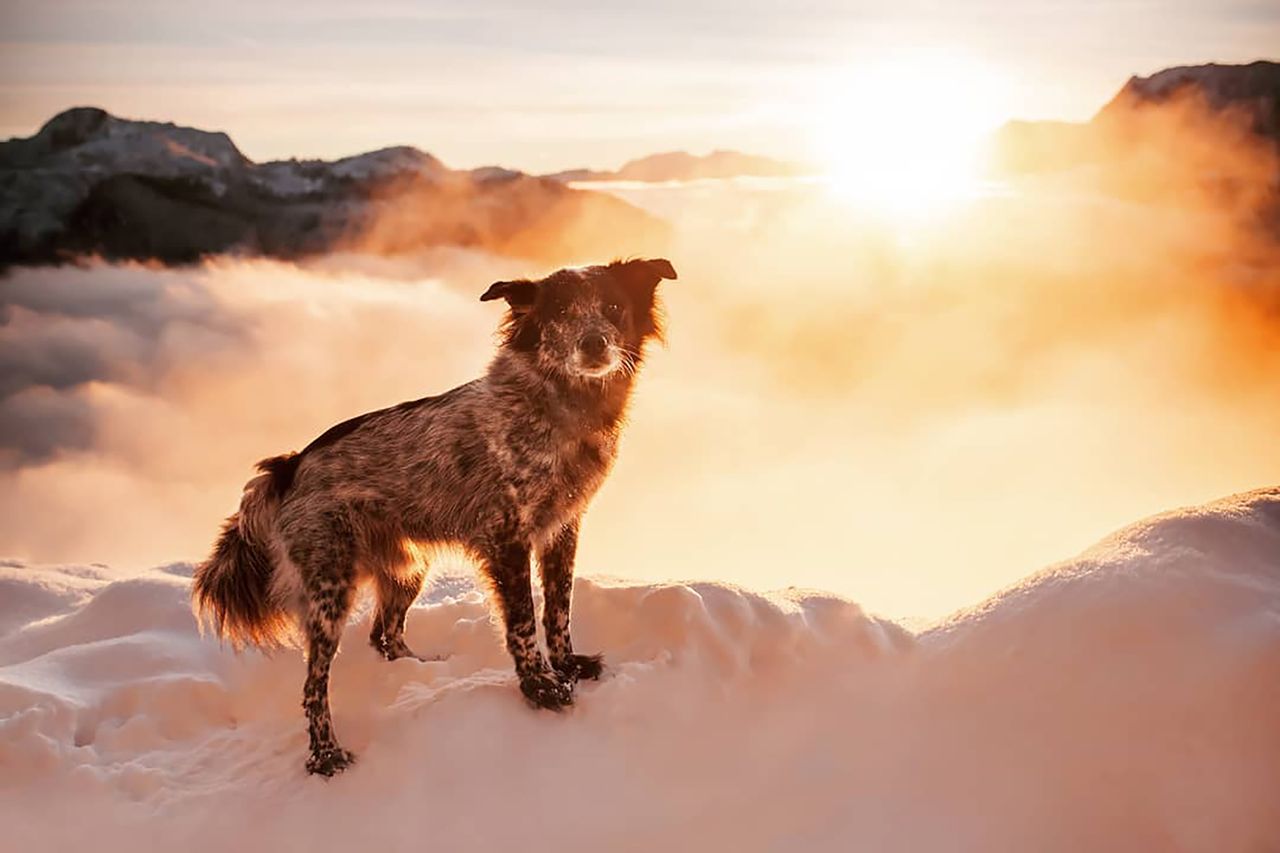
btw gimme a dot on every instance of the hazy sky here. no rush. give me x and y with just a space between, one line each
569 82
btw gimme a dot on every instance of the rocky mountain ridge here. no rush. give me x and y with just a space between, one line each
90 183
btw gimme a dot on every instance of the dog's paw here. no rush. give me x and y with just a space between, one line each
546 690
392 648
327 762
581 668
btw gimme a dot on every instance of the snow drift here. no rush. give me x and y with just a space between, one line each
1126 699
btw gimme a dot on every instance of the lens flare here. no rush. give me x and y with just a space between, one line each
903 135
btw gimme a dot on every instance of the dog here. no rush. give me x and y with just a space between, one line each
502 467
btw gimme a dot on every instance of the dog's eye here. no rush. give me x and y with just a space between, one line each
613 311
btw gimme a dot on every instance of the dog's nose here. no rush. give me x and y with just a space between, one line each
593 345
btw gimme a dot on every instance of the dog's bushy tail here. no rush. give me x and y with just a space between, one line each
232 590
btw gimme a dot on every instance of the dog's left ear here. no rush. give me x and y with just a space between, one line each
520 294
640 282
647 271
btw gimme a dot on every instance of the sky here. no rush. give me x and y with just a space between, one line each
572 83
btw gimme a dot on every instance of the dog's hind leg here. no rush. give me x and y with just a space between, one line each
327 565
396 592
555 565
508 569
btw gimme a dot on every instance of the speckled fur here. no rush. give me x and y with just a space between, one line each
502 467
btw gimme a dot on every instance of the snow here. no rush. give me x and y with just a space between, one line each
157 148
387 163
1122 700
44 177
295 178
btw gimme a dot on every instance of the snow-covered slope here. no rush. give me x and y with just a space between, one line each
94 139
291 178
1124 700
44 177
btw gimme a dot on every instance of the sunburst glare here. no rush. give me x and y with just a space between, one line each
902 135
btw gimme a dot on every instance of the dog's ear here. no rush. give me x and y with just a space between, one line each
519 294
639 279
647 271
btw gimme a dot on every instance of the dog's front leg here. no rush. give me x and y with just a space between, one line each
555 563
508 569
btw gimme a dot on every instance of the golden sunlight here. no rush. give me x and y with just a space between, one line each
902 135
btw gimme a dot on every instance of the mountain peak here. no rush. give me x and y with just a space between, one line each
1253 88
386 162
73 126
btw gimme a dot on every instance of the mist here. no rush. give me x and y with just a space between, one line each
910 412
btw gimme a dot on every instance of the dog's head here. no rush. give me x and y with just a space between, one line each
589 322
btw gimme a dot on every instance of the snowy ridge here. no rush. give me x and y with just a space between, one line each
91 138
1122 700
290 178
83 145
91 184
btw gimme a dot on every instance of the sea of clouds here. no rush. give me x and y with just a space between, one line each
910 412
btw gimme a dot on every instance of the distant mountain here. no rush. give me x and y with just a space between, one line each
571 175
1251 90
683 166
1205 136
91 183
1042 146
1145 111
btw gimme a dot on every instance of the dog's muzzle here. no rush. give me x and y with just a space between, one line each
594 356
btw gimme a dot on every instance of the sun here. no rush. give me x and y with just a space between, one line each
903 134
